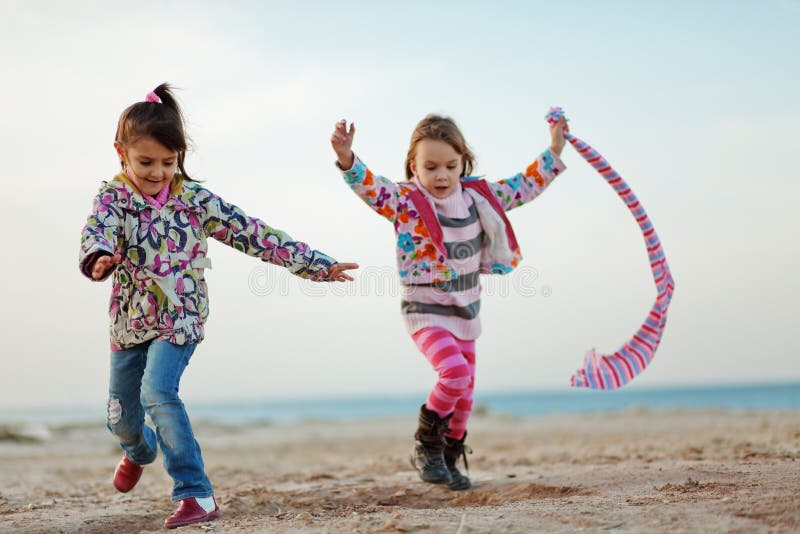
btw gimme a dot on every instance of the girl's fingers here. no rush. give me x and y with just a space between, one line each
338 273
104 263
341 127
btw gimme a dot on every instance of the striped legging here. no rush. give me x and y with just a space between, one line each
454 360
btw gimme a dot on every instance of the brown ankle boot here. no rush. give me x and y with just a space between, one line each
452 450
427 457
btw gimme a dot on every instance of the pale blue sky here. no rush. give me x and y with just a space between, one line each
694 103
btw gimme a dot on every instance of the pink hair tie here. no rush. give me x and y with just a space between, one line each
152 97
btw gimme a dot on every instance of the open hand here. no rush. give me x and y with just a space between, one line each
342 142
557 139
103 264
337 272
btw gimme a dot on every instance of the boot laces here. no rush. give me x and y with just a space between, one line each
464 450
461 450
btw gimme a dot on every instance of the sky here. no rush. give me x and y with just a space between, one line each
694 104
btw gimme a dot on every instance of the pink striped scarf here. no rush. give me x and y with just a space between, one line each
610 371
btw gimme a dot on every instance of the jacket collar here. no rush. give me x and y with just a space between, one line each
130 198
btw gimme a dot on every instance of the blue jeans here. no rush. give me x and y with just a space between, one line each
145 379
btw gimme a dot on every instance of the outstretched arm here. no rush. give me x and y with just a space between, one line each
379 193
229 224
525 186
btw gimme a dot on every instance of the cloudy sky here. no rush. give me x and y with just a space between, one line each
694 103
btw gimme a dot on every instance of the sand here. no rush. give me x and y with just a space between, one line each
636 471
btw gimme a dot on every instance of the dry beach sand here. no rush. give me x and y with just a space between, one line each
635 471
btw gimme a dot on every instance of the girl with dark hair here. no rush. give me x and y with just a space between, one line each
450 228
148 228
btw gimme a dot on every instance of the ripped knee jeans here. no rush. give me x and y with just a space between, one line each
145 380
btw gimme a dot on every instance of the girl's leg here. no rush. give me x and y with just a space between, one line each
182 458
444 352
125 414
463 406
454 448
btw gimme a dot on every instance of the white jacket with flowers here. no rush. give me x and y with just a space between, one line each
158 289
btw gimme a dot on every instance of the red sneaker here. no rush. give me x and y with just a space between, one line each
189 512
127 475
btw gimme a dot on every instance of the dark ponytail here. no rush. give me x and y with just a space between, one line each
163 121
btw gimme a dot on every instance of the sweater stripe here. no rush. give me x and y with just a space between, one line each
461 250
462 283
462 233
465 312
454 222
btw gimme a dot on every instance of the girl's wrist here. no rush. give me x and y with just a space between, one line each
346 162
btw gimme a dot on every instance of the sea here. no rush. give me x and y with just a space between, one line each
760 397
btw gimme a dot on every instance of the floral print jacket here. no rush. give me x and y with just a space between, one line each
421 255
158 289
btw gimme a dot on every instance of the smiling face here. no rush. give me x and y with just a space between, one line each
438 167
149 164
